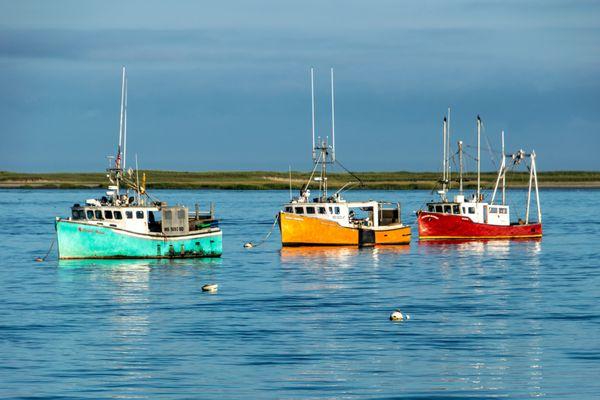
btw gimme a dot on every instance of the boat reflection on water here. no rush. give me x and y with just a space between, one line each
341 256
497 246
137 264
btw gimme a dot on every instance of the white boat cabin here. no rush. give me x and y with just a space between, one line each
478 212
158 218
349 214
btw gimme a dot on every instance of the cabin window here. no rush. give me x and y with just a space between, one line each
502 210
168 215
90 214
455 209
330 210
299 210
337 211
439 209
118 215
493 210
310 210
98 214
129 214
77 214
139 214
108 214
322 210
471 210
431 208
181 214
288 209
448 208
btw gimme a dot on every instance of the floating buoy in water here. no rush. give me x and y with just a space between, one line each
39 259
211 287
248 245
397 315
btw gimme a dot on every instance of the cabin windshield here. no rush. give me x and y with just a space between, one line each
77 214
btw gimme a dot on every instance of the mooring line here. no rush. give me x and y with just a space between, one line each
40 259
250 244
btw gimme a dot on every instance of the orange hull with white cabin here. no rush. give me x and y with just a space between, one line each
300 230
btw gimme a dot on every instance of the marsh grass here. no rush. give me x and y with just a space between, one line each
260 180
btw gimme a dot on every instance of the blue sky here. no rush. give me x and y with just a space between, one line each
225 85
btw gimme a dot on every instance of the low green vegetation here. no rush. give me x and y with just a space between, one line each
257 180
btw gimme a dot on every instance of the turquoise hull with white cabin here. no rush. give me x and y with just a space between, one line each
82 240
127 223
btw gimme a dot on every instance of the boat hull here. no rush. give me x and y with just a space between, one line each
437 226
78 240
299 230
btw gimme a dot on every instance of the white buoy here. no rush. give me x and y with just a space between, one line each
211 287
397 315
248 245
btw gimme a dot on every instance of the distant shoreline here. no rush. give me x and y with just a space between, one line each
270 180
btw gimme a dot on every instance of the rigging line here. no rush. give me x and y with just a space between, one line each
489 148
351 173
313 172
40 259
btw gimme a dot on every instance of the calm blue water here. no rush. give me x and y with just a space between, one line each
496 319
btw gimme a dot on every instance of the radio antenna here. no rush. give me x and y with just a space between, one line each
332 119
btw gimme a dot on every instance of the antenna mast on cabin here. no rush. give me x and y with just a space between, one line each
312 98
448 178
460 163
322 152
332 119
478 158
125 129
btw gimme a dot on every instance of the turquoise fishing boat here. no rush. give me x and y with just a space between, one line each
128 223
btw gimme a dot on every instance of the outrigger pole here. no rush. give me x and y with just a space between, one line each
501 176
533 177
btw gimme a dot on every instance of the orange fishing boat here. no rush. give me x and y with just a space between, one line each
330 220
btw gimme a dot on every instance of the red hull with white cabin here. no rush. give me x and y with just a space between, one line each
437 226
473 218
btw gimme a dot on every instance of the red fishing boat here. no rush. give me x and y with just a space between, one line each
472 217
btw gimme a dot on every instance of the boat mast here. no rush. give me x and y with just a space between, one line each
118 159
332 120
137 180
503 172
444 132
460 163
478 158
323 182
448 178
125 129
312 98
